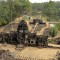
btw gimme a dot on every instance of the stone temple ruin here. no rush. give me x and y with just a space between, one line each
24 36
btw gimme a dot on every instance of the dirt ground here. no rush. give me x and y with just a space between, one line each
40 53
34 52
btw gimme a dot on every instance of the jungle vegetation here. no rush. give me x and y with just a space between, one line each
11 9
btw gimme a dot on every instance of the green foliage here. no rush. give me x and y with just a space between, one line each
50 10
37 7
2 21
58 26
50 40
10 9
53 31
22 6
4 9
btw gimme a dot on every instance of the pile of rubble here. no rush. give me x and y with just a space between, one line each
6 55
57 56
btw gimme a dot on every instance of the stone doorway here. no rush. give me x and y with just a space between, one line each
37 43
58 42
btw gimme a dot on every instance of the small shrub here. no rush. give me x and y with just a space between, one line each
58 26
2 21
53 31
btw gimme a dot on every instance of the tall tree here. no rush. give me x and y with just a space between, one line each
11 6
22 6
10 9
50 10
4 9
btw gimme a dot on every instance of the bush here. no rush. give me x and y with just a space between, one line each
53 31
50 41
2 21
58 26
